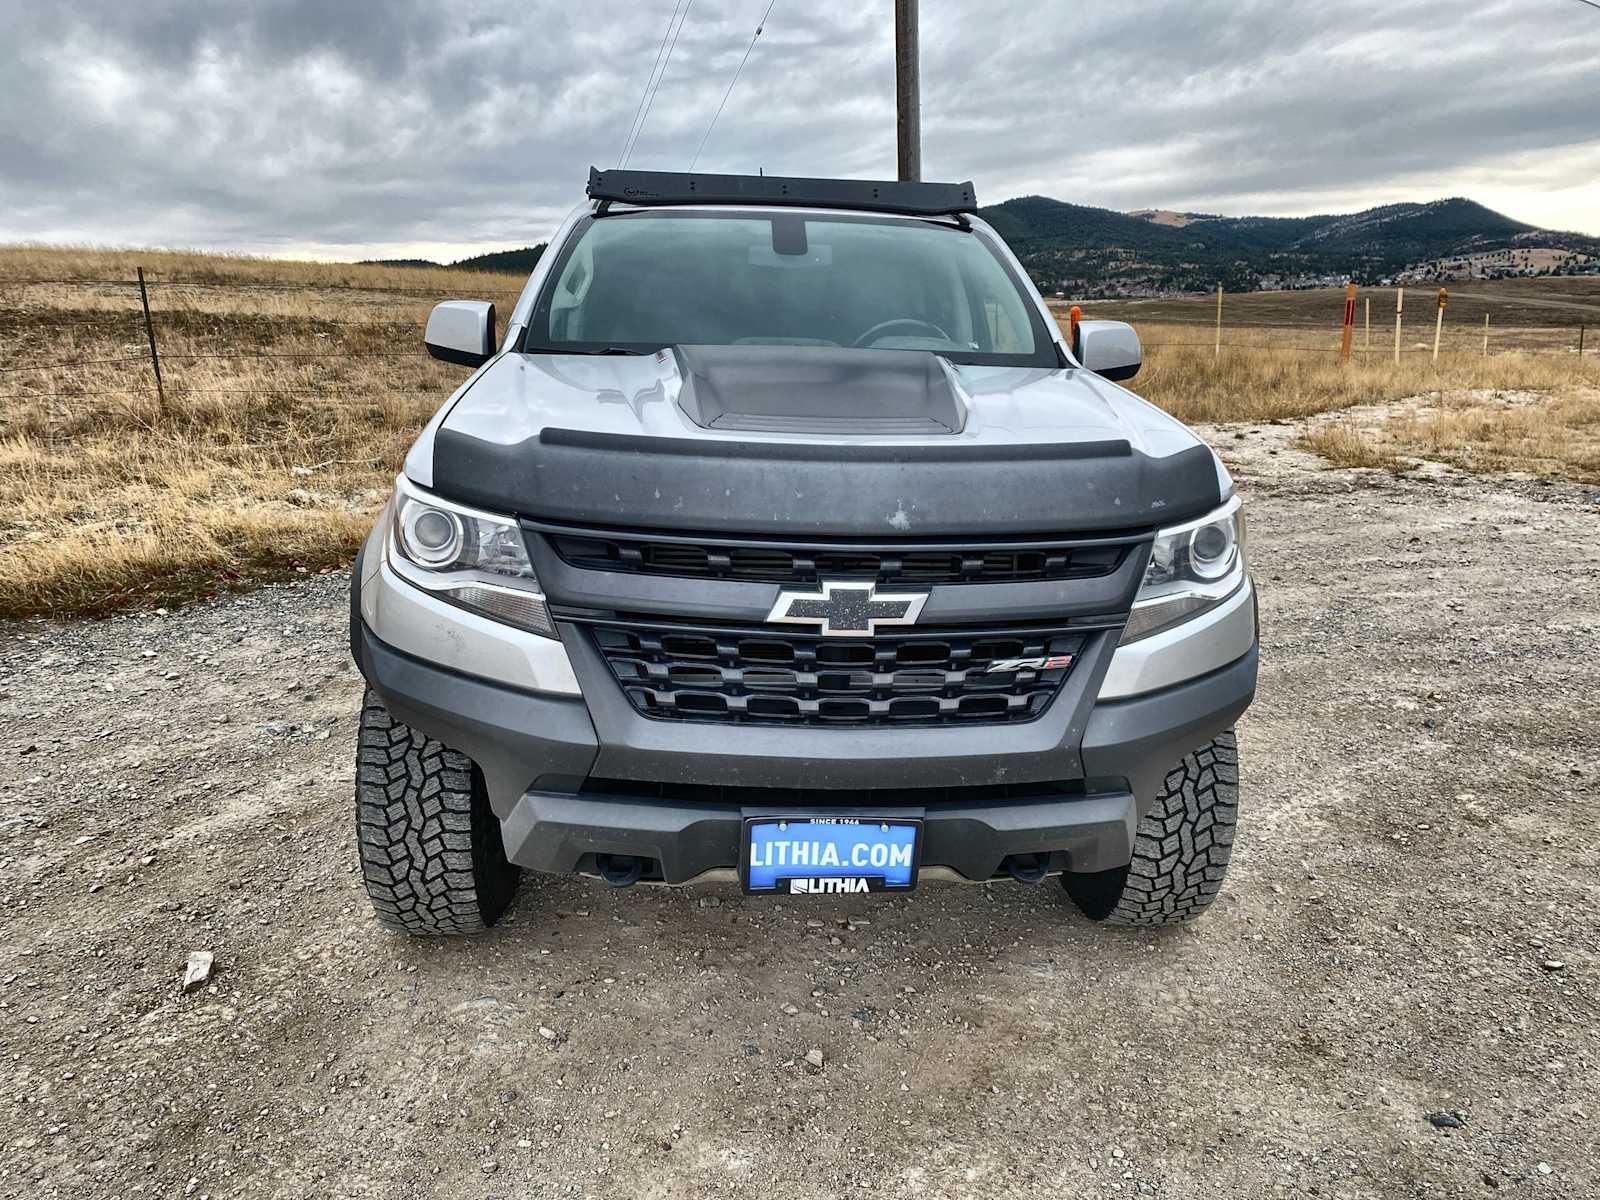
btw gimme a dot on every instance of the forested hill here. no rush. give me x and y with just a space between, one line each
518 262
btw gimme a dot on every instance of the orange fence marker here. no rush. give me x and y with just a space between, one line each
1349 319
1438 322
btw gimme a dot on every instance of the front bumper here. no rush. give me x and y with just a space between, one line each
572 780
574 772
686 841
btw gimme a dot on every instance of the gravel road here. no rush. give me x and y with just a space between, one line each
1410 929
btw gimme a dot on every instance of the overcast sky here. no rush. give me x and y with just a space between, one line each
444 127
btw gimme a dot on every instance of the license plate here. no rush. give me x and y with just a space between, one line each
829 855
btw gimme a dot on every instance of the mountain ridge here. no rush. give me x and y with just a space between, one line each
1086 251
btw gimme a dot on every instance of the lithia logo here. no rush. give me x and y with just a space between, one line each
817 887
1050 662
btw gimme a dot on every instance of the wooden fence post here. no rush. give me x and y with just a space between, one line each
1218 353
1580 340
1486 335
150 333
1366 347
1399 307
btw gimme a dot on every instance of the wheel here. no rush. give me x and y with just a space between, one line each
1181 849
430 845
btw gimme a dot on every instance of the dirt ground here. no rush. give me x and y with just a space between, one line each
1409 929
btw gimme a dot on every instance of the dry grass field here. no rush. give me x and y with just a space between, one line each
1275 378
293 389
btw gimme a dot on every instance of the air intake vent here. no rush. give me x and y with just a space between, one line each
809 565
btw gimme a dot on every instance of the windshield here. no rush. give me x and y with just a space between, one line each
640 281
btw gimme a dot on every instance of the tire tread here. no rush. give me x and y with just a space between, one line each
430 848
1181 848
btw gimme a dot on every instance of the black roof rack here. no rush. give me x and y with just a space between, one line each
649 188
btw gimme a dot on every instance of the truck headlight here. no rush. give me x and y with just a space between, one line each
475 559
1193 567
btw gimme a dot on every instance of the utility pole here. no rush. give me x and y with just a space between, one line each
908 89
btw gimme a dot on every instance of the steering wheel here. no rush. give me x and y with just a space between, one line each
873 334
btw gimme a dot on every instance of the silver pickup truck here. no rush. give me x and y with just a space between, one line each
784 538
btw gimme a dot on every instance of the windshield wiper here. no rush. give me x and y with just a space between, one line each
611 350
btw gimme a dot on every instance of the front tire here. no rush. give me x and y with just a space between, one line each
1181 849
430 846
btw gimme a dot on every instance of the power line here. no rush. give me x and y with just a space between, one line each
627 141
736 73
665 63
1590 3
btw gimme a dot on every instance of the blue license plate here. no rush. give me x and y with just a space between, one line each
829 855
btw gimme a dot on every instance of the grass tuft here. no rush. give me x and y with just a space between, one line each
1345 445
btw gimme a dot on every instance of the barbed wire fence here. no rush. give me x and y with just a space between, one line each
151 342
145 317
1517 338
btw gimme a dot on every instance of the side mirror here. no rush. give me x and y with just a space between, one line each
461 331
1109 348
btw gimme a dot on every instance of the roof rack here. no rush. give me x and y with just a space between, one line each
651 188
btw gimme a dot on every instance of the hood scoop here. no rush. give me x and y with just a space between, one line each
820 390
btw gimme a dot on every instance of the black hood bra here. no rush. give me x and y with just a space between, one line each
861 490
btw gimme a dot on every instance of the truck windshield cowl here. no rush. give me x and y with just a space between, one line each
639 281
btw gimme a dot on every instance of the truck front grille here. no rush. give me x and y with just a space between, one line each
745 675
774 562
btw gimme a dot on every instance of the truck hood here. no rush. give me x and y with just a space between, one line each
610 441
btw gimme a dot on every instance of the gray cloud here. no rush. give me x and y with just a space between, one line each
346 129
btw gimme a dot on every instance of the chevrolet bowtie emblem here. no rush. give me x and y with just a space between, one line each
847 609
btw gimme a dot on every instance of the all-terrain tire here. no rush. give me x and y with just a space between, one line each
1180 851
430 846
